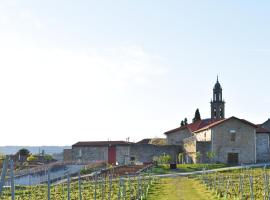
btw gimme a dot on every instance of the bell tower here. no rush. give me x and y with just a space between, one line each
217 104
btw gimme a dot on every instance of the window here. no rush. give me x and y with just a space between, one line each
215 113
233 135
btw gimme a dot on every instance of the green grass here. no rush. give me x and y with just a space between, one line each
181 188
165 168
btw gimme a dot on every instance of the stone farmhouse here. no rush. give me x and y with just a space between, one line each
217 139
119 152
225 140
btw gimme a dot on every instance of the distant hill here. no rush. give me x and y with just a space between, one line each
33 149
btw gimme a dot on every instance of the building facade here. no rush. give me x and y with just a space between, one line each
120 152
218 139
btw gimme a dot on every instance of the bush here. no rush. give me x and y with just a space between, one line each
48 157
31 158
163 159
23 152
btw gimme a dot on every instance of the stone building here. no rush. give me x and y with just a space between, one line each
120 152
230 140
262 143
176 136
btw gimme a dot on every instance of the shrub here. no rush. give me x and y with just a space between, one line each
48 157
31 158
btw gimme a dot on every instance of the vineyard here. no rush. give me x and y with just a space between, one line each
95 187
239 184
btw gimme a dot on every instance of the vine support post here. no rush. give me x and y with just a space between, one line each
80 186
49 184
12 179
68 185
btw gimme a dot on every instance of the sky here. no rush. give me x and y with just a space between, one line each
96 70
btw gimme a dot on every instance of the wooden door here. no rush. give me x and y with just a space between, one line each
232 158
112 155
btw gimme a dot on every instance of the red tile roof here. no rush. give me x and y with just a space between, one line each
100 143
262 130
224 120
194 126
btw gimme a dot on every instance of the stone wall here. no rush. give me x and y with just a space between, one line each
203 148
90 153
203 136
144 153
177 137
244 144
122 154
262 147
190 149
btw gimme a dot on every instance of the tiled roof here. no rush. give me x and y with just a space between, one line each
194 126
262 130
100 143
224 120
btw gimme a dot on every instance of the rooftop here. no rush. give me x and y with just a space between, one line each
100 143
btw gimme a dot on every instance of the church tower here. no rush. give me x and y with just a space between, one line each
217 104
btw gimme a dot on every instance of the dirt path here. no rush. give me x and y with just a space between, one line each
180 188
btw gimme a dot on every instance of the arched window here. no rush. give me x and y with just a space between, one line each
221 112
215 113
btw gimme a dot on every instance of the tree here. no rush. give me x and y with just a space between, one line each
48 157
182 123
23 152
210 155
185 121
197 116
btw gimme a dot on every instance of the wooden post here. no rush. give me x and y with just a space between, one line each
68 185
3 174
95 187
79 185
12 179
49 185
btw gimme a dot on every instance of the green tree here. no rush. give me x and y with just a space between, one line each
197 116
24 152
210 155
185 121
182 123
48 157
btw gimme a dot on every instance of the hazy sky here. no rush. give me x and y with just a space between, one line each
92 70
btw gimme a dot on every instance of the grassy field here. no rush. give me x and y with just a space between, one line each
165 168
180 188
